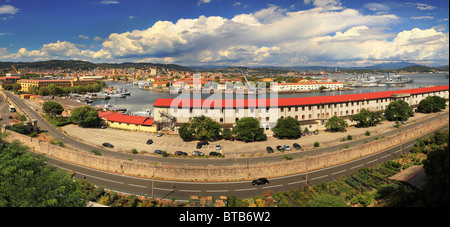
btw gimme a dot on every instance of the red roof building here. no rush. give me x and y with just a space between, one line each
288 102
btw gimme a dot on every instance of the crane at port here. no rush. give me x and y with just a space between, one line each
251 86
15 69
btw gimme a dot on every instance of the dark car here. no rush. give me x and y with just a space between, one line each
269 149
203 143
180 153
213 153
150 141
108 145
280 148
260 181
158 152
199 145
297 146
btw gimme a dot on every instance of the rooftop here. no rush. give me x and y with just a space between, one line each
118 117
285 102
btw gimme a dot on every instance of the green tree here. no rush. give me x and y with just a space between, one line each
432 104
85 116
185 132
366 118
248 129
43 91
52 108
34 90
202 128
437 168
287 128
336 124
398 111
227 133
27 181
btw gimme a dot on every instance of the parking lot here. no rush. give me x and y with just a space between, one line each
125 141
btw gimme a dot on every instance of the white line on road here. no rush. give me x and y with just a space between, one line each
135 185
319 177
190 190
164 189
372 161
217 190
279 185
297 182
245 189
354 167
339 172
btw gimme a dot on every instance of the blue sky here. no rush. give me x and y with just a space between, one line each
226 32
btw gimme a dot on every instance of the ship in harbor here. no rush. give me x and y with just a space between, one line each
396 79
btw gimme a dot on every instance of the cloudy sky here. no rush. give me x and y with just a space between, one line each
227 32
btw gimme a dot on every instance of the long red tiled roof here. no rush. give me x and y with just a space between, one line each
284 102
118 117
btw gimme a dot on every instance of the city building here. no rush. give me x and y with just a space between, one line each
26 84
310 111
134 123
306 86
8 80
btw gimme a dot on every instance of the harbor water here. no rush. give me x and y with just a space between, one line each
142 100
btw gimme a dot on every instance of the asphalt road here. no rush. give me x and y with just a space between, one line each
242 189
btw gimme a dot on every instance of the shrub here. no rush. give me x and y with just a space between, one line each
316 144
96 152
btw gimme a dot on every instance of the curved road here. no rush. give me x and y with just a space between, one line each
242 189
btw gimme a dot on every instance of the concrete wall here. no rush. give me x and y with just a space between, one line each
223 173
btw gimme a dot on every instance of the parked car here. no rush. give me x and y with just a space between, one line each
203 143
269 149
218 147
180 153
297 146
197 153
287 147
157 152
260 181
108 145
150 141
213 153
199 145
159 134
280 148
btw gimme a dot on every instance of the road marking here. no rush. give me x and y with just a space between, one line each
217 190
245 189
297 182
385 156
372 161
319 177
190 190
354 167
135 185
279 185
339 172
164 189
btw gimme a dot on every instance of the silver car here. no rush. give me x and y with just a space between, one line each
287 147
197 153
